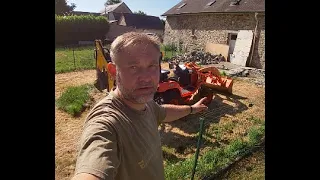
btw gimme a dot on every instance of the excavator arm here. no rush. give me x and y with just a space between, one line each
103 59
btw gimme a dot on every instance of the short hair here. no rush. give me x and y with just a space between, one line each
132 38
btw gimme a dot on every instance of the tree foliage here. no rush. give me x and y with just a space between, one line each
110 2
140 12
62 8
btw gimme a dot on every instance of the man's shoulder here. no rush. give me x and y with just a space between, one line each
104 110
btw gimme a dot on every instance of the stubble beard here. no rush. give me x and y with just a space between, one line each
128 93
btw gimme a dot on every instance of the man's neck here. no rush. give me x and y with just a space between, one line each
139 107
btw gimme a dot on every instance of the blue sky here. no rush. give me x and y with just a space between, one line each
150 7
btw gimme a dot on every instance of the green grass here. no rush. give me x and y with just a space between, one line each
72 100
255 134
83 58
168 52
213 160
66 60
223 73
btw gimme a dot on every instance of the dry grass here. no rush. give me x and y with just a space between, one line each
62 81
229 114
251 167
179 136
68 128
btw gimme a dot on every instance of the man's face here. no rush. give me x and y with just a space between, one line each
138 73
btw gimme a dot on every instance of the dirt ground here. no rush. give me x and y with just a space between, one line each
248 100
68 128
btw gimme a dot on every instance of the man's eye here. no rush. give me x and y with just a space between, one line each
133 67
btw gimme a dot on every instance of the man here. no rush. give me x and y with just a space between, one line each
120 140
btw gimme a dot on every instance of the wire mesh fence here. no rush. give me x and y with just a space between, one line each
74 57
79 57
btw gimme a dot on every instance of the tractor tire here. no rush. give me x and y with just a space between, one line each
158 98
206 92
168 97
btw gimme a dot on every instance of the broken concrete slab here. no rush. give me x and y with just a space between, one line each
242 48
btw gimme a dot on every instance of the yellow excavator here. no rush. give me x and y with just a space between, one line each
102 57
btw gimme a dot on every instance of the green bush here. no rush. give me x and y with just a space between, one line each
170 47
71 29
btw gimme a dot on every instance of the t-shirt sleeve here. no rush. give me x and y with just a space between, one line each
98 152
160 112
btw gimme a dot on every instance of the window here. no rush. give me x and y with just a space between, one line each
210 3
233 37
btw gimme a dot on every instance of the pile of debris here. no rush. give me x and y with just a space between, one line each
199 57
252 74
247 72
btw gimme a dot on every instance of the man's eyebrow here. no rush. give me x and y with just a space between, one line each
132 62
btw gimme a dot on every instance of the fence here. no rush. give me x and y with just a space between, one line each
74 57
79 57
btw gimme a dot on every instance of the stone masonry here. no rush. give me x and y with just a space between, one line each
194 31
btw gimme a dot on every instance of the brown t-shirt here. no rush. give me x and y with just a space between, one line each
121 143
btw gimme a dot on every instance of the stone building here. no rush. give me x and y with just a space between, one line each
193 24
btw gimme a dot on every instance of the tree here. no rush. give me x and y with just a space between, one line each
110 2
163 22
61 7
140 12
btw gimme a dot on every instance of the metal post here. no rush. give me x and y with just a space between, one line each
198 147
74 59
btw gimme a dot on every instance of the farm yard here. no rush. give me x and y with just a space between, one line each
234 124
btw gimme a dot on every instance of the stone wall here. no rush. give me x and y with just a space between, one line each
194 31
160 33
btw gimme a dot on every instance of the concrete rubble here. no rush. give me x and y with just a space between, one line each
254 75
200 57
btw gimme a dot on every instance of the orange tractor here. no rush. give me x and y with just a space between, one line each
190 83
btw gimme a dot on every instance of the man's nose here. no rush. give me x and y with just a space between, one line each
145 74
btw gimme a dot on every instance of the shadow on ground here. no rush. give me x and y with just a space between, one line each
180 134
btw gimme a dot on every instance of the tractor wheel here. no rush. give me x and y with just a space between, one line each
172 97
168 97
206 92
158 98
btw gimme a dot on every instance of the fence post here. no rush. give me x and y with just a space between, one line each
74 59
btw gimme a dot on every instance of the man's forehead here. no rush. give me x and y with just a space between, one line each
139 52
137 49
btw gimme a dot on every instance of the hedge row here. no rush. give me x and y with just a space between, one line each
71 29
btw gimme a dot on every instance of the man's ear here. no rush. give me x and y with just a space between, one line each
111 68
